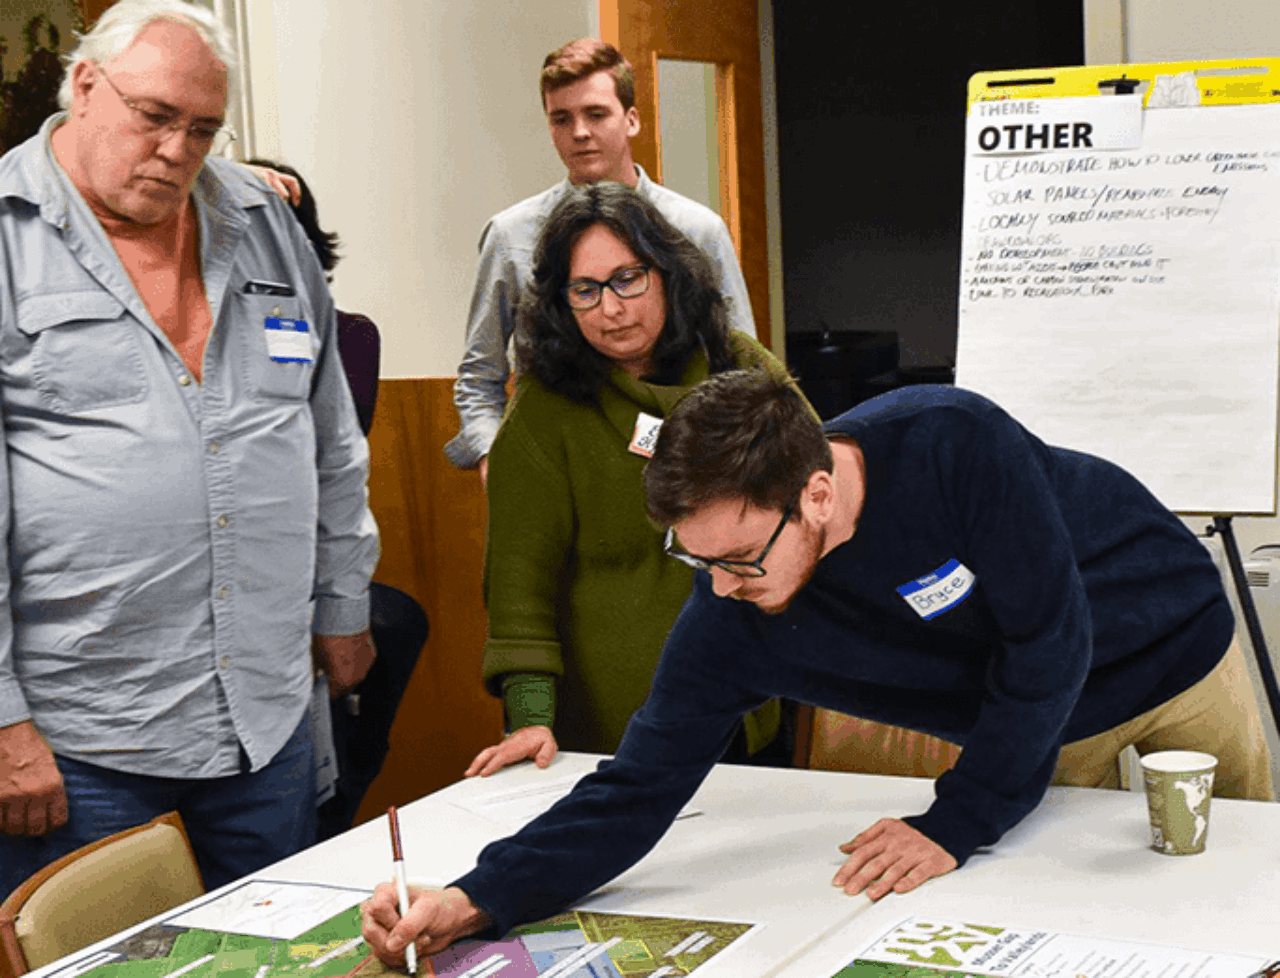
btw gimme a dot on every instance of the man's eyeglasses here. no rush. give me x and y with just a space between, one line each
150 122
742 568
626 283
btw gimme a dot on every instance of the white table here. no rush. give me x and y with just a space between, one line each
764 849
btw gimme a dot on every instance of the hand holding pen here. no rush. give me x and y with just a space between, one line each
402 887
398 917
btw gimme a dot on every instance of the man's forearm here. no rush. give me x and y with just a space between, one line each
480 401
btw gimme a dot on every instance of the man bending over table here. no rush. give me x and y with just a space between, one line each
922 560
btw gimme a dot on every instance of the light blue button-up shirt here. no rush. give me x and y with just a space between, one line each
172 543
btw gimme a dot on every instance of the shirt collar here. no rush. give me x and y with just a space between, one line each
29 173
642 187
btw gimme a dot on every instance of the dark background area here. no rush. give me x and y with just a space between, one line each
871 108
33 34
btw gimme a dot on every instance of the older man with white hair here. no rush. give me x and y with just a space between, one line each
184 482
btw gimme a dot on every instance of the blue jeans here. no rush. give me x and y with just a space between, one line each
237 824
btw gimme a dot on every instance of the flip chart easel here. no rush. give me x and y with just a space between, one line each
1120 276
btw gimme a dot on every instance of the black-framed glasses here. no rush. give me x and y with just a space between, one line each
152 122
742 568
626 283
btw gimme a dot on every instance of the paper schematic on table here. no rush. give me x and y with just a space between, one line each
169 950
577 944
587 944
264 908
927 948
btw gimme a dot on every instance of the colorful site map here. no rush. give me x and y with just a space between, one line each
586 944
577 944
165 950
927 948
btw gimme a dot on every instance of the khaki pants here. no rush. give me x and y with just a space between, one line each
1218 715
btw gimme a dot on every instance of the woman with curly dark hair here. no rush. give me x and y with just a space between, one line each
553 341
621 319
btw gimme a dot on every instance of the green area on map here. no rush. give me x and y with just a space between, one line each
646 940
161 950
640 948
643 941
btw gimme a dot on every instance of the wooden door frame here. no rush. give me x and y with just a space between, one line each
741 128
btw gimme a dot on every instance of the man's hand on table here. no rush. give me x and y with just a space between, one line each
32 798
436 919
536 743
345 659
891 856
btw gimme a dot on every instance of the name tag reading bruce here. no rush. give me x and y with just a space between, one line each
934 593
645 437
288 340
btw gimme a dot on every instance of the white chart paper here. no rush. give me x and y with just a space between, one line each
1127 303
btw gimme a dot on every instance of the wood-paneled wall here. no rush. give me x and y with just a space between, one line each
432 518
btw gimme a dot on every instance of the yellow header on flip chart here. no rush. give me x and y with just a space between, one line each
1225 81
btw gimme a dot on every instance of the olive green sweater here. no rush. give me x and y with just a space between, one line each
580 595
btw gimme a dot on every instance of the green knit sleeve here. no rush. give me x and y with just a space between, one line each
529 699
529 544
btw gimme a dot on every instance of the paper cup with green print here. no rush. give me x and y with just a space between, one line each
1179 784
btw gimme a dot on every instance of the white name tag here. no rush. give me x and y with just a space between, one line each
646 435
934 593
288 340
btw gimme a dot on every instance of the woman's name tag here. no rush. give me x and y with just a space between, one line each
645 436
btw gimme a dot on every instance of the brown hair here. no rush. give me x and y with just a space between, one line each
585 56
742 434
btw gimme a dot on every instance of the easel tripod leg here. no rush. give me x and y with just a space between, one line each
1222 526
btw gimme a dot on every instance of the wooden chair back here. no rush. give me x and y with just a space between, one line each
836 742
96 891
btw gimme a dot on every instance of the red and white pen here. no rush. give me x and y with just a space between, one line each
402 888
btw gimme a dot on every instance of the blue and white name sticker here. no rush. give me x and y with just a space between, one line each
288 340
934 593
645 436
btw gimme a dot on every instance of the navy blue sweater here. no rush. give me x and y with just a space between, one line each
998 592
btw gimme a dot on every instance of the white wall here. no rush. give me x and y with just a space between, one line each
414 121
689 138
1118 31
1180 30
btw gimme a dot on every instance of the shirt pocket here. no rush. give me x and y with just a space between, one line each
270 378
85 351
